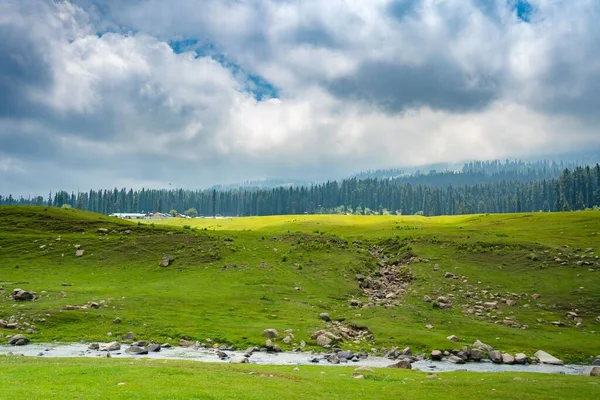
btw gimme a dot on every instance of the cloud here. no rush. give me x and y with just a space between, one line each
110 93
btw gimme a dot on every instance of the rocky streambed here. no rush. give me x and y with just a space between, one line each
266 358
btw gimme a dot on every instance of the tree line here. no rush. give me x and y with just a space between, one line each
575 189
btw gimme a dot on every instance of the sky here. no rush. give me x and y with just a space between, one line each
191 93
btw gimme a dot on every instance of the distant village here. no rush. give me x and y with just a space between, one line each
156 215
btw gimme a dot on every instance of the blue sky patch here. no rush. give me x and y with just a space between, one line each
260 88
524 10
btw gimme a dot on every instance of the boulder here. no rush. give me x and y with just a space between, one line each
333 359
94 346
323 340
402 364
476 354
22 295
18 340
271 333
239 360
186 343
355 303
449 275
595 371
166 261
136 350
520 358
456 360
454 338
345 355
79 253
427 299
406 352
496 356
112 346
507 358
129 336
287 340
153 347
480 345
318 333
596 362
436 355
546 358
325 316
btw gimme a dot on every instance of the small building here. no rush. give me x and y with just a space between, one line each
128 215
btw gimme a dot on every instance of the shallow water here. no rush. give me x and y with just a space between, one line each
286 358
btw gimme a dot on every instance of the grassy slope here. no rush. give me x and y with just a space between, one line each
240 276
142 379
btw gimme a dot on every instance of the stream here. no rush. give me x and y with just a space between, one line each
286 358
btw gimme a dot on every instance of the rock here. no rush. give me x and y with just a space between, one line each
436 355
271 333
186 343
507 358
103 231
269 344
476 354
18 340
480 345
153 347
117 320
276 349
596 362
129 336
546 358
136 350
495 356
112 346
455 359
355 303
449 275
403 364
345 355
323 340
358 376
333 359
287 340
520 358
239 360
94 346
22 295
453 338
318 333
429 326
79 253
536 296
431 376
595 371
490 304
166 261
406 352
325 316
427 299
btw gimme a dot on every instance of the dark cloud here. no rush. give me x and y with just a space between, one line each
397 87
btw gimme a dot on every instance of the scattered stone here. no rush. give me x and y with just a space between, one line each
186 343
103 231
495 356
166 261
18 340
536 296
449 275
476 354
358 376
94 346
480 345
333 359
271 333
595 371
112 346
431 376
239 360
287 340
520 358
456 360
354 303
325 316
129 336
427 299
117 320
453 338
79 253
221 354
66 284
436 355
507 359
546 358
323 340
402 364
153 347
22 295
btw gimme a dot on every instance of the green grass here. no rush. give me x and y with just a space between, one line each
144 379
234 277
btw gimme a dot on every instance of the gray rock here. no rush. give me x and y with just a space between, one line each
436 355
595 371
449 275
239 360
323 340
453 338
403 364
94 346
79 253
596 362
153 347
476 354
480 345
129 336
117 320
136 350
103 231
271 333
287 340
22 295
325 316
507 358
345 355
333 359
546 358
112 346
496 356
166 261
406 352
427 299
355 303
520 358
456 360
18 340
